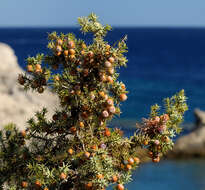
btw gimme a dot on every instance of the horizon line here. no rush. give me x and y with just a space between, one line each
115 26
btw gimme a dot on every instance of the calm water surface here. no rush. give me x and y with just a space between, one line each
170 175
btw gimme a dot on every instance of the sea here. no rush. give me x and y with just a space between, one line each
161 62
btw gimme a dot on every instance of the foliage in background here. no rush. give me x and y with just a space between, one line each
76 149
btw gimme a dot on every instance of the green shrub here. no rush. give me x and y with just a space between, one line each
75 149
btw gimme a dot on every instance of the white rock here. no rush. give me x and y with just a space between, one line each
16 105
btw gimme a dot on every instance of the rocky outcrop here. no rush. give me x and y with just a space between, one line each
16 105
193 144
200 118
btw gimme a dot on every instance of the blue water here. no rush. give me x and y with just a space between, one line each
161 62
170 175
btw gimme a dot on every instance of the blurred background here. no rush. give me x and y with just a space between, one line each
166 43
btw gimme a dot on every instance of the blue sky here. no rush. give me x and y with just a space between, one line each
115 12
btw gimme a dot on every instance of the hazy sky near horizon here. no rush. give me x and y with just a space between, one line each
181 13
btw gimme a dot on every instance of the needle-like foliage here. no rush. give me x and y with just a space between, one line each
76 149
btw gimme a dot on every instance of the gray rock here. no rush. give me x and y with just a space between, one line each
16 105
200 118
193 144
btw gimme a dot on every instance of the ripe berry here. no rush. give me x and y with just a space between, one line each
107 47
122 166
58 53
111 60
73 129
38 70
103 146
100 176
156 160
59 42
111 71
137 160
110 79
165 117
87 154
156 142
107 133
110 102
166 139
123 86
89 185
29 68
38 66
23 133
37 183
70 151
123 97
81 124
82 52
63 176
157 119
71 51
150 154
114 178
112 109
128 166
107 64
145 142
105 114
120 187
58 48
131 161
71 44
94 147
102 94
72 57
66 52
24 184
56 78
90 54
78 92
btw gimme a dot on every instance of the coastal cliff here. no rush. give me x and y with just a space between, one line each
16 105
